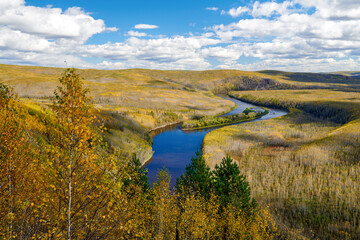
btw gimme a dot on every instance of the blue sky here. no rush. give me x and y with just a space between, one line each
172 17
292 35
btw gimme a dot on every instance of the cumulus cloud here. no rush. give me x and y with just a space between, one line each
51 23
287 36
145 26
236 12
269 8
337 10
293 35
302 65
162 53
24 41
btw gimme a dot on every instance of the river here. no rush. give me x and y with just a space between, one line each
173 148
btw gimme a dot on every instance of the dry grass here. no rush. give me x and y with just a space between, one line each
135 91
185 93
305 168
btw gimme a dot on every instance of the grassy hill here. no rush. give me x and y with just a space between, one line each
153 98
328 78
354 74
39 81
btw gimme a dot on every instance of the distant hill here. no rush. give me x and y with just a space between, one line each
40 81
354 74
350 78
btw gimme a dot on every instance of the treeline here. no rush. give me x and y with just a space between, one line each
207 122
242 83
60 180
336 111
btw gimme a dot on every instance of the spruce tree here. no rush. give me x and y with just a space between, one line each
231 187
196 179
137 176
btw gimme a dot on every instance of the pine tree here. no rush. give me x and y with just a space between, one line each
137 176
196 179
139 197
231 187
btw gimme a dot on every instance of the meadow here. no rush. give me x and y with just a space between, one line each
304 165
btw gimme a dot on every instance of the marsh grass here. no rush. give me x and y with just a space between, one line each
305 168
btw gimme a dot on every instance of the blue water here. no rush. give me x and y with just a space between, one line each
173 148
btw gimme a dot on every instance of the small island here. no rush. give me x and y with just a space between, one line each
208 122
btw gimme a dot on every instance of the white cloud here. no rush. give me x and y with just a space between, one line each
111 29
42 59
236 12
269 8
341 9
293 39
161 52
145 26
212 8
24 41
301 65
9 4
228 54
51 23
136 34
279 35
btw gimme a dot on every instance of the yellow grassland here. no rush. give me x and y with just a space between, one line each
135 90
305 168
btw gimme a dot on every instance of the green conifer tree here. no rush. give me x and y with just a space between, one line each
231 187
137 175
196 179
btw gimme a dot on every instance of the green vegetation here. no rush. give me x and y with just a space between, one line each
196 179
231 206
208 122
232 188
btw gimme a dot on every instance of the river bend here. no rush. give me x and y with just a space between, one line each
173 148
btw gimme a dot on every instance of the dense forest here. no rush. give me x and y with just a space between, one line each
59 179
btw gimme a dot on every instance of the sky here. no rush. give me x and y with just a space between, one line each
291 35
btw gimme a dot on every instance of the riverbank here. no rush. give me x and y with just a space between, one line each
159 129
248 114
305 166
173 147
